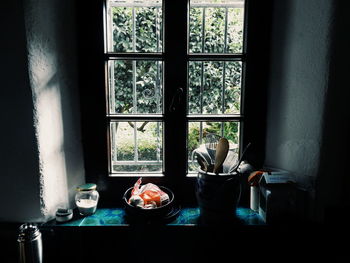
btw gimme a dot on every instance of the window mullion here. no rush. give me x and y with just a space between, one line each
175 77
134 87
226 25
158 86
203 29
136 155
133 30
157 26
202 87
223 87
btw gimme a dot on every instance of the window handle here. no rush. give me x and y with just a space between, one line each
176 99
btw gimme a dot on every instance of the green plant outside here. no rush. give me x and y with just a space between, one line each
205 91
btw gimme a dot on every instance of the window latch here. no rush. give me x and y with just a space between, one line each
176 99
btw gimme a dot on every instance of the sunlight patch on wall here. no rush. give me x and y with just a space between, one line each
46 89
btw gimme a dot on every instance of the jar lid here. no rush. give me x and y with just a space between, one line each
86 187
63 215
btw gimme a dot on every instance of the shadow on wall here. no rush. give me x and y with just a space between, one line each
19 197
298 89
334 180
279 63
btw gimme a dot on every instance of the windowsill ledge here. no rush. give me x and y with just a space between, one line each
117 217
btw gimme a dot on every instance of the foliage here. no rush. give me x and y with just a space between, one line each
230 132
148 33
147 151
214 86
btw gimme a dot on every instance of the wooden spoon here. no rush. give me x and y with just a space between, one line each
221 153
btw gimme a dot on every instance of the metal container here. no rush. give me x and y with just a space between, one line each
30 244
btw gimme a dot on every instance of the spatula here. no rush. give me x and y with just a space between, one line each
221 153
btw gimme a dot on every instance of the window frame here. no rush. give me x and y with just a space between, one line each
95 142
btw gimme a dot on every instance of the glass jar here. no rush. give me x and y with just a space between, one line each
86 199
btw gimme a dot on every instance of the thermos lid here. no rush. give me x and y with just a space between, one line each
28 232
86 187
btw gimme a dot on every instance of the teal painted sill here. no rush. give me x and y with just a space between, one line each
117 217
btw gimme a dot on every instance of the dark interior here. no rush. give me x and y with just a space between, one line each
297 119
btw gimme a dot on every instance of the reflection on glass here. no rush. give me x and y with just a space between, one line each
135 87
214 87
216 26
134 26
197 132
136 146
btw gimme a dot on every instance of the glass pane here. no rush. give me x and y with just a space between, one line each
199 131
216 26
235 30
135 87
136 146
134 25
196 30
214 87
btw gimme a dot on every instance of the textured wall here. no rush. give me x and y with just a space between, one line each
52 71
53 78
298 87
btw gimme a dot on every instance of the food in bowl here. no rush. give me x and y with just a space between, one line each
147 196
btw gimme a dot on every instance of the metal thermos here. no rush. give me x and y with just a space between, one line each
30 244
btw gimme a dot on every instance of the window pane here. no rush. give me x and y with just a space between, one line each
214 87
235 30
198 131
136 146
134 26
216 26
135 87
196 30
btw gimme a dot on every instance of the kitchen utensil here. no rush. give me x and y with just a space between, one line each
202 163
211 142
221 153
204 157
201 150
230 161
235 167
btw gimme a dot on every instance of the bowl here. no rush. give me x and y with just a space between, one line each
150 213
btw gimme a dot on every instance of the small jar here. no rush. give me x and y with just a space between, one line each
86 199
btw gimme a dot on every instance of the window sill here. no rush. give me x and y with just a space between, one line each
116 217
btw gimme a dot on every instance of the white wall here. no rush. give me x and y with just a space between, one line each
49 96
52 50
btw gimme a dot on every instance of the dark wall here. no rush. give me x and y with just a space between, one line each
19 197
334 179
302 96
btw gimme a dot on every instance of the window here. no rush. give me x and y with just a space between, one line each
174 73
165 79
